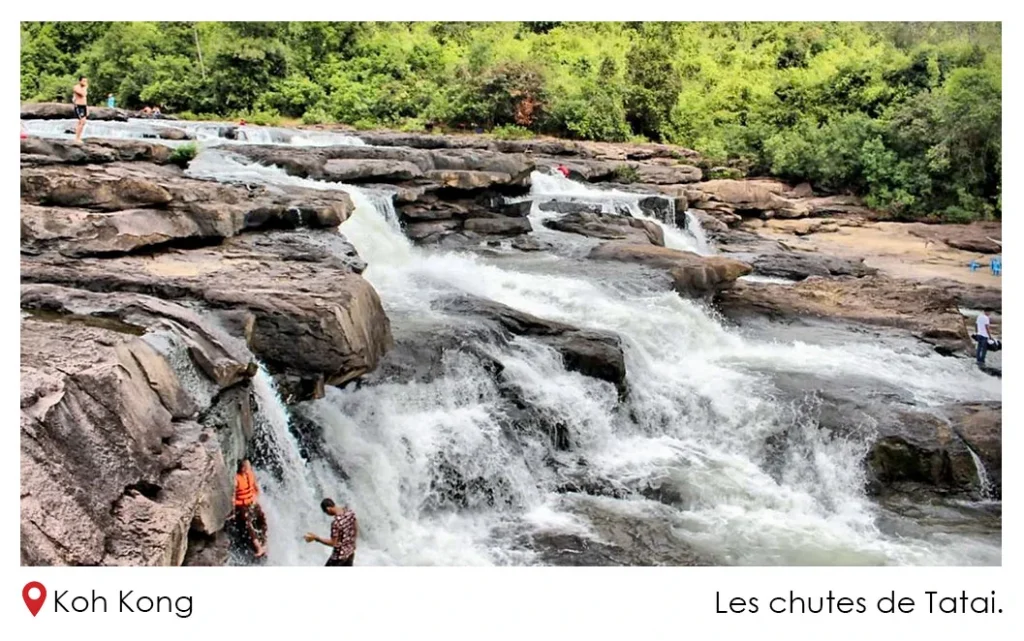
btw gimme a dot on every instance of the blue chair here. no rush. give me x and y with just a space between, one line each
996 264
973 265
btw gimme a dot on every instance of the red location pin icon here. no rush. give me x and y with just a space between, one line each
34 605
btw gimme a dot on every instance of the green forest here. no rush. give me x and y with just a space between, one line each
907 115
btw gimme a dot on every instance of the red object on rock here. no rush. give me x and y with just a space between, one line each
563 170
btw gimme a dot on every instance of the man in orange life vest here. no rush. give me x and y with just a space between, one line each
248 513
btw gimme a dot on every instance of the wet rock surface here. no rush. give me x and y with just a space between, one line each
148 298
118 462
692 274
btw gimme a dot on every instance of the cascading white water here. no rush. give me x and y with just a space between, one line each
700 237
700 410
547 187
984 481
202 132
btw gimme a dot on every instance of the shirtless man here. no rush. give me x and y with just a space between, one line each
81 102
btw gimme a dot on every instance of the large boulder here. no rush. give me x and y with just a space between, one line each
801 265
313 314
761 198
920 449
692 274
609 227
979 237
498 226
575 207
980 426
124 208
41 151
119 465
927 312
590 352
346 170
65 110
667 174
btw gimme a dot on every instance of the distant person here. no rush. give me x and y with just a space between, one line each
156 111
248 513
111 101
344 530
983 336
562 169
241 122
80 99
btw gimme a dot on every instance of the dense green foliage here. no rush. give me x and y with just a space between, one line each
906 114
183 154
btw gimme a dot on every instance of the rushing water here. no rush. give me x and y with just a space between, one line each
441 471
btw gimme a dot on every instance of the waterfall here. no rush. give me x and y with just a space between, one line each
456 465
696 231
985 487
548 187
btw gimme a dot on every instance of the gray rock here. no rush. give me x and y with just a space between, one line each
609 227
800 265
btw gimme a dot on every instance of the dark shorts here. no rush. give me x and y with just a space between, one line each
81 111
347 563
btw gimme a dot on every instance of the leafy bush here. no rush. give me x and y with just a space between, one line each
183 154
269 118
316 116
511 132
626 174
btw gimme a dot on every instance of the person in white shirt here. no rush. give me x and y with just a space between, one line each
983 335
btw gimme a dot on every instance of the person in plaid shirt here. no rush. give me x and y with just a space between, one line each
344 530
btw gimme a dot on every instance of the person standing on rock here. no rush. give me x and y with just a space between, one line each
111 101
983 335
248 514
344 529
80 99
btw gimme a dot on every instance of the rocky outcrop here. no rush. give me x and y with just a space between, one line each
118 460
693 275
313 314
590 352
456 169
609 227
764 198
65 110
920 449
122 208
927 312
980 426
38 151
148 299
981 237
801 265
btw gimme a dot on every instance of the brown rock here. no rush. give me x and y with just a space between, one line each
345 170
92 151
609 227
929 313
498 226
980 425
313 315
693 275
978 237
115 468
65 110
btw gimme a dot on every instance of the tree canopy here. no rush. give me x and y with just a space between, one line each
906 114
